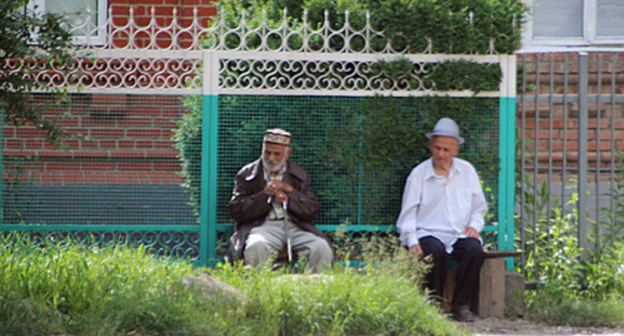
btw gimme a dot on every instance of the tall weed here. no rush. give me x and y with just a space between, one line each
611 225
574 286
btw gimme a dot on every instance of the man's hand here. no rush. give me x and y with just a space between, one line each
280 198
416 250
278 191
471 232
274 188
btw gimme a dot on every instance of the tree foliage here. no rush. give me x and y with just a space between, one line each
29 41
445 26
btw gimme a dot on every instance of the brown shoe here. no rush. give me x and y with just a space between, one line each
463 314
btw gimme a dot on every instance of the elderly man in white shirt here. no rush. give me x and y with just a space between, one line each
442 213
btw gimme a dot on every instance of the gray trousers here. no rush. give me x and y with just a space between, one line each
267 239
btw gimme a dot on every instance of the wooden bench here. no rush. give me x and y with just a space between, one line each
489 296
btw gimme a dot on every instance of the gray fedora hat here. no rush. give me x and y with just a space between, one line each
446 127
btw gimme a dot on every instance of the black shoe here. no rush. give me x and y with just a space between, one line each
463 314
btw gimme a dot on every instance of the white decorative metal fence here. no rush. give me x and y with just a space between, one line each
252 76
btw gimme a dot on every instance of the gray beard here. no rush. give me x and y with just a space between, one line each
273 168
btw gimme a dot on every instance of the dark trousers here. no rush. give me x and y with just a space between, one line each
469 255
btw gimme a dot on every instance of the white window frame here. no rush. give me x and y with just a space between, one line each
588 41
99 34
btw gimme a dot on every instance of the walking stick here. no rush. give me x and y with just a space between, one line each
288 241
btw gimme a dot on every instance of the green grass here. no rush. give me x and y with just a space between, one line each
579 312
576 292
75 290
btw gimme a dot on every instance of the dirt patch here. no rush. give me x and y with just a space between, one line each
492 326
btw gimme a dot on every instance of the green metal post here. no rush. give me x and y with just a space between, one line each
502 176
511 174
506 176
1 166
209 159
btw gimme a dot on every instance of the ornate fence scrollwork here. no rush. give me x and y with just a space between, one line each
166 58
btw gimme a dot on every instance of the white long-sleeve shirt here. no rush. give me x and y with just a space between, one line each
439 206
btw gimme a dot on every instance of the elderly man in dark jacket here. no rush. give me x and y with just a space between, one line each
273 205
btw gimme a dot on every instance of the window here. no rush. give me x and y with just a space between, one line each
574 23
86 17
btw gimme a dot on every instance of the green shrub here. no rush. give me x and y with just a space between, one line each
451 26
355 149
81 290
572 288
382 298
464 75
188 142
605 277
71 287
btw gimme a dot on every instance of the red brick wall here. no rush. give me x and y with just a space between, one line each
117 139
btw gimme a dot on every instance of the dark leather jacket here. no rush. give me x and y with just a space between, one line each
249 206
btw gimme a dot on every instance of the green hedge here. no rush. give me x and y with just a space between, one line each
358 151
452 26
